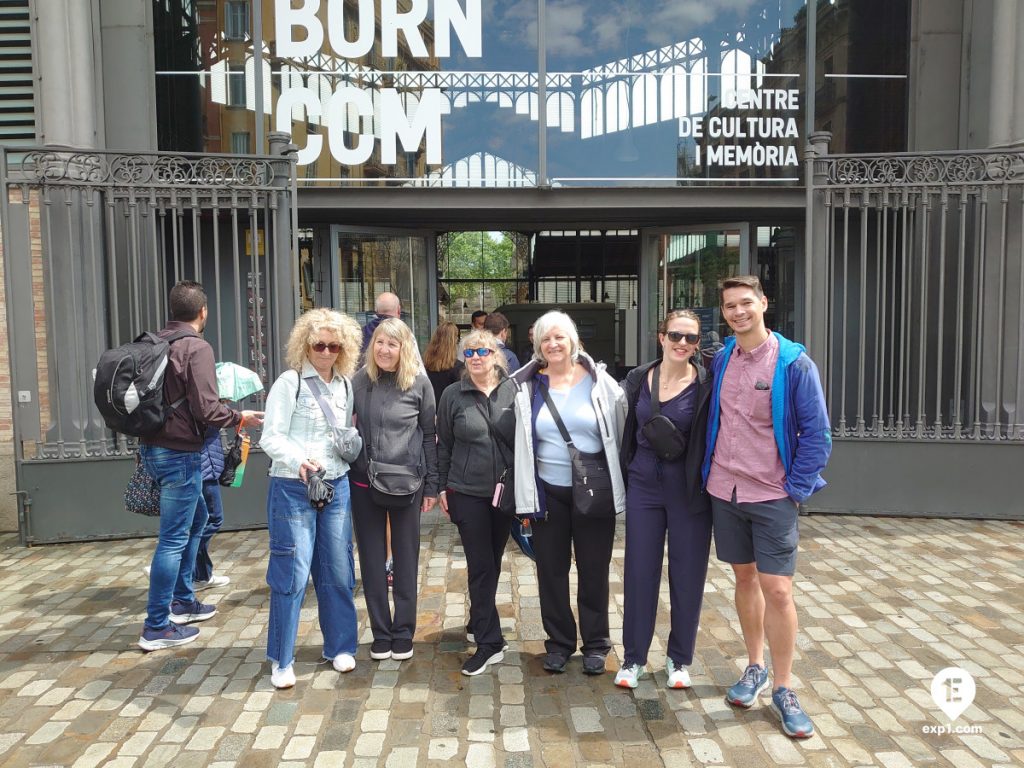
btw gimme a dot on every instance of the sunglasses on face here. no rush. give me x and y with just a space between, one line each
334 347
482 351
676 336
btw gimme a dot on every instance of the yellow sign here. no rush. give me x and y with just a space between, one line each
248 241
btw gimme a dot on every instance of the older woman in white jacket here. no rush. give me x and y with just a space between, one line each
592 408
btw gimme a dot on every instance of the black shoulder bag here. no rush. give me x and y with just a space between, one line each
667 441
592 493
504 490
391 485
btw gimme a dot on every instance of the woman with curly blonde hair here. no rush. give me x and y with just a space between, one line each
395 478
311 536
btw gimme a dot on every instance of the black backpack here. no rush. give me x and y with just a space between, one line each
128 385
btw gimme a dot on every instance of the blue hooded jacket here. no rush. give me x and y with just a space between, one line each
803 433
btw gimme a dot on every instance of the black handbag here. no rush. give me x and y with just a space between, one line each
393 485
504 498
592 493
667 441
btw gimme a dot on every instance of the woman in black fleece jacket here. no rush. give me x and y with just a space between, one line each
475 444
394 409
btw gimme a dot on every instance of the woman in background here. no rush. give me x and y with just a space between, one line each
441 358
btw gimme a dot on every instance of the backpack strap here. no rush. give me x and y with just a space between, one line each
177 335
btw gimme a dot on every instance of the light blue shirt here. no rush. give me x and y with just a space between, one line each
577 411
296 429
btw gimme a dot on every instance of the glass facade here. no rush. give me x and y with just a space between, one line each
447 92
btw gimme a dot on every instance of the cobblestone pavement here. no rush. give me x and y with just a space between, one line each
884 605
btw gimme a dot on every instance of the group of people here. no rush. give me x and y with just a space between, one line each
556 445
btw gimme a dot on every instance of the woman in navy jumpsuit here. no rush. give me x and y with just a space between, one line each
664 497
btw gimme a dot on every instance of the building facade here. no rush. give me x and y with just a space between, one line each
864 157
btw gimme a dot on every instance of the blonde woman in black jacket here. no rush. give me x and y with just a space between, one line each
475 439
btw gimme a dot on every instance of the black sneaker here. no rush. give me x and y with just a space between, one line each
593 664
555 662
480 660
401 649
380 650
169 637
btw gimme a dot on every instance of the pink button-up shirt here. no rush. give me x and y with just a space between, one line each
746 457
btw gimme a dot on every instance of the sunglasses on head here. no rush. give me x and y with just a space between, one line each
334 347
482 351
676 336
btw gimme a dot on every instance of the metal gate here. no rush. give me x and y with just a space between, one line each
92 243
921 257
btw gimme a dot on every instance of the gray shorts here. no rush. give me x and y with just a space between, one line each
765 532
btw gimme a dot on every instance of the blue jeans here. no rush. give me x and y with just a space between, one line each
304 541
204 565
182 517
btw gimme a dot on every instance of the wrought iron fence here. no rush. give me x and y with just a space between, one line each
925 260
94 240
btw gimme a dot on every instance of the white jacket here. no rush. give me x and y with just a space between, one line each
609 403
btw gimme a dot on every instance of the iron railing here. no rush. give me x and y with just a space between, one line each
925 266
94 240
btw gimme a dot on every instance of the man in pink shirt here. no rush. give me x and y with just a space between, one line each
768 440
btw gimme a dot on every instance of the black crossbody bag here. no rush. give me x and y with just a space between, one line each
592 493
667 441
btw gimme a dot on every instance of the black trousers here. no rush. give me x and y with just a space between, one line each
370 523
484 531
555 540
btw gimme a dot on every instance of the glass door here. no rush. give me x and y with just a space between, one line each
683 267
368 262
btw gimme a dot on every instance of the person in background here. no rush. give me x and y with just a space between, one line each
394 406
665 496
321 352
497 324
475 437
477 320
172 458
768 440
593 409
441 358
212 453
387 305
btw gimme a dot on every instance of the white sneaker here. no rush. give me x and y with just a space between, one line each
678 677
629 677
282 678
146 569
344 662
215 580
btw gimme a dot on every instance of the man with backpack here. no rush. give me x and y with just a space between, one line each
172 456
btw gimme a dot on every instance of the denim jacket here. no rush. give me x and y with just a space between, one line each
296 429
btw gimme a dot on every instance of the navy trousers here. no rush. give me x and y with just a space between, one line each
689 545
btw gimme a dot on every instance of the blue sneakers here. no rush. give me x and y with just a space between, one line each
795 722
170 636
745 692
186 613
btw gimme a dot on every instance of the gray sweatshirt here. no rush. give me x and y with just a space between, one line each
397 427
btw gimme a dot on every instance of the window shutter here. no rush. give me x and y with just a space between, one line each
17 103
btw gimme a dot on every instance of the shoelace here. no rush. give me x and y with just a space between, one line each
789 704
750 675
320 493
